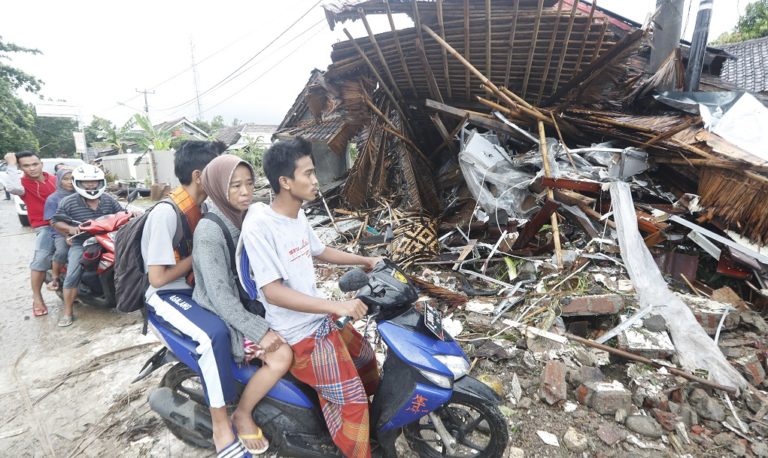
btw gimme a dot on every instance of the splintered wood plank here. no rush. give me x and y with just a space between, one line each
379 53
537 22
512 30
380 80
563 51
400 49
599 44
550 51
488 38
587 31
466 48
446 74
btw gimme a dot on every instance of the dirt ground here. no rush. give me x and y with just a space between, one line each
67 391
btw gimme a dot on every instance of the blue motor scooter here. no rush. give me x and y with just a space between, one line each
424 392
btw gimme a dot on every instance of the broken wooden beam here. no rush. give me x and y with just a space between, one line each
534 224
572 185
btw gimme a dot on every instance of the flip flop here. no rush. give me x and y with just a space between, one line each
39 311
234 450
254 437
65 320
53 285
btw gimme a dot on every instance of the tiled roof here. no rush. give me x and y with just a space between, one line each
750 69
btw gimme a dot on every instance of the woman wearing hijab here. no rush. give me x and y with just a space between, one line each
228 182
64 188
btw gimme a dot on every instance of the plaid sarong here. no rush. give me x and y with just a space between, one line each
340 365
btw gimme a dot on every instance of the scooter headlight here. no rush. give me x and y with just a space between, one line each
443 381
458 365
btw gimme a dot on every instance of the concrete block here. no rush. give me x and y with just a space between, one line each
604 398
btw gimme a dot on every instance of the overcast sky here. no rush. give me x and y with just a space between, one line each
96 54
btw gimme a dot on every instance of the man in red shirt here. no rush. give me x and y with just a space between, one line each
34 186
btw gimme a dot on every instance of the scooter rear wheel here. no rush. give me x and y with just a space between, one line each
185 382
478 428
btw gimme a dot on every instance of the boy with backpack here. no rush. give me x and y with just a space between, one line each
166 248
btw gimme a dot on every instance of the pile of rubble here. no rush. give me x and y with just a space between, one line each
593 240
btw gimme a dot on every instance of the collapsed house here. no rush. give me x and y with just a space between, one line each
493 134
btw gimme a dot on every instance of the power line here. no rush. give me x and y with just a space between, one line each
234 74
253 64
191 67
262 74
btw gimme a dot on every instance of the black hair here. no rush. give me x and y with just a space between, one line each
280 159
58 166
23 154
194 155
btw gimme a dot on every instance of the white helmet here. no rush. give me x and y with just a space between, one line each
89 173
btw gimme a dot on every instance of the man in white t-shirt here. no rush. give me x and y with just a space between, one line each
281 245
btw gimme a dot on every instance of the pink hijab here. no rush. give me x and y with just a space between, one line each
216 178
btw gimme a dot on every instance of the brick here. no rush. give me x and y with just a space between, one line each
603 304
752 369
604 398
667 420
553 388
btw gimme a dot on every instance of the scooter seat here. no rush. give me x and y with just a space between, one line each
185 350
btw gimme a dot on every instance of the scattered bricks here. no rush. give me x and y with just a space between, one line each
697 429
603 304
667 420
553 387
709 317
751 368
604 398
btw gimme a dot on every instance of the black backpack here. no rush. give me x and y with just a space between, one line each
131 281
252 305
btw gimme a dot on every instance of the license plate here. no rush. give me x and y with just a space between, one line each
433 320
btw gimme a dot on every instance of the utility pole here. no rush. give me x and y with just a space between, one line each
194 75
698 46
666 31
146 103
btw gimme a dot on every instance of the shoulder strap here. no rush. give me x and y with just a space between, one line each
230 243
183 231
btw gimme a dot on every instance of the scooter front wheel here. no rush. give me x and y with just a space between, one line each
477 428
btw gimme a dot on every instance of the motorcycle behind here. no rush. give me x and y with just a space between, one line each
97 283
425 393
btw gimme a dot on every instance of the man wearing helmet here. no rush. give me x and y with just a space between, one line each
88 202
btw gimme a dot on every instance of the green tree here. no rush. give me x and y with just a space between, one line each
211 126
754 24
151 138
17 118
253 153
103 133
55 136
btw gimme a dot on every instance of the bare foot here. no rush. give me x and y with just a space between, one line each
250 434
39 309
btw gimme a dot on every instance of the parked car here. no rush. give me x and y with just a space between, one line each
49 164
